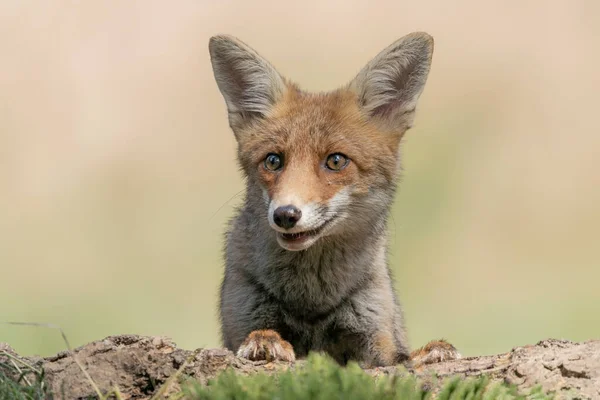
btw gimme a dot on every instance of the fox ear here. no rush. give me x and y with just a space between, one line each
248 82
389 86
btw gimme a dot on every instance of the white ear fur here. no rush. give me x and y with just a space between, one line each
248 82
389 86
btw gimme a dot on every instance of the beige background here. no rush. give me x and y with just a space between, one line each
116 157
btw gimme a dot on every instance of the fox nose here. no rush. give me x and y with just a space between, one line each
286 216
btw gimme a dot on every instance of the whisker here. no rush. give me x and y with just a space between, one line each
224 204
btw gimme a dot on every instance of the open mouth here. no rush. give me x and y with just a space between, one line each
302 237
292 237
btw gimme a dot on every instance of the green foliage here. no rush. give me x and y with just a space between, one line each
321 378
21 382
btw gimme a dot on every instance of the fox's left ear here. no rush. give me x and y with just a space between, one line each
389 86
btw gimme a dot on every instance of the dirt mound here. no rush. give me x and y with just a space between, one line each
138 365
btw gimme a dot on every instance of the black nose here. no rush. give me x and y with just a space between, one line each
286 216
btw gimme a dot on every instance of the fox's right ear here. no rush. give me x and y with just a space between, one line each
248 82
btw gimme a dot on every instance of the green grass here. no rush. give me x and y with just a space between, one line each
21 381
320 378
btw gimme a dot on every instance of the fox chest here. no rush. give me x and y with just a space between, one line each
311 295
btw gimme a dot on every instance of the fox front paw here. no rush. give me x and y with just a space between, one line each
266 345
434 352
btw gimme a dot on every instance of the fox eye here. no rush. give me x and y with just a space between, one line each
336 161
273 162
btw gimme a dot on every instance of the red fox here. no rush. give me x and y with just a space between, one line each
306 255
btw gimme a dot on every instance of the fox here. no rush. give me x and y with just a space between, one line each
306 264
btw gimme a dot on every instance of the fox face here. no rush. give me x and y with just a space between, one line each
324 162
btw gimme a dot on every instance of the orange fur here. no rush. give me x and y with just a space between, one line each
266 345
307 252
434 352
342 128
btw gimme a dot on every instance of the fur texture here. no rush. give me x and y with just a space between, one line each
322 284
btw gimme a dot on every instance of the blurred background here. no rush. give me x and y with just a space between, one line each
118 171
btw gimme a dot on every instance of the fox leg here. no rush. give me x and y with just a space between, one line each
246 314
434 352
266 345
385 350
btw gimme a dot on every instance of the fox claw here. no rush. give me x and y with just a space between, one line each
266 345
434 352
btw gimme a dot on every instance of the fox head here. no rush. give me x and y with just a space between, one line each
324 163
